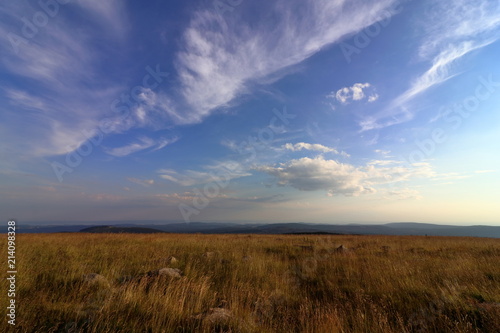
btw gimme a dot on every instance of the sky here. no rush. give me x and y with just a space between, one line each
324 111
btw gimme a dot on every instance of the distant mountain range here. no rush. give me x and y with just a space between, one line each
117 230
401 228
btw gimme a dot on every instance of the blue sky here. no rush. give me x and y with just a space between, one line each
324 111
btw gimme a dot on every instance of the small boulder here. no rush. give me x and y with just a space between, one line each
126 278
170 272
95 279
218 315
215 316
341 249
171 260
209 255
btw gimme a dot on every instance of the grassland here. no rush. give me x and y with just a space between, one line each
255 283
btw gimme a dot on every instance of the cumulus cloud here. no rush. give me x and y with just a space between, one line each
357 92
312 174
312 147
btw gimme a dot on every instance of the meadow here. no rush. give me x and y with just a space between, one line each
254 283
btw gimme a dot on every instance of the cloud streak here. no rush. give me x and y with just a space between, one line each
453 30
221 173
60 63
142 144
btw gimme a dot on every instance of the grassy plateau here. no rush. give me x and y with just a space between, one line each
80 282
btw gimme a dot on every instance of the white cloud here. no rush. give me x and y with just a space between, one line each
308 146
311 174
221 59
223 56
485 171
220 173
355 93
162 143
110 13
384 162
403 194
143 182
440 71
62 63
142 144
382 152
452 30
312 147
155 110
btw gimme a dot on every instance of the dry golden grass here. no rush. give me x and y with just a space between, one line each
264 283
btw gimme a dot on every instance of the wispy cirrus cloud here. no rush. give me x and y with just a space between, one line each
223 57
52 84
452 31
141 144
485 171
403 194
220 172
143 182
219 60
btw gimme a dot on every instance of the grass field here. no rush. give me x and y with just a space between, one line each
254 283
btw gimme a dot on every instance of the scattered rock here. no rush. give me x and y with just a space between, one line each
305 248
126 278
215 316
341 249
209 255
385 249
223 304
170 272
324 252
218 315
171 260
95 279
